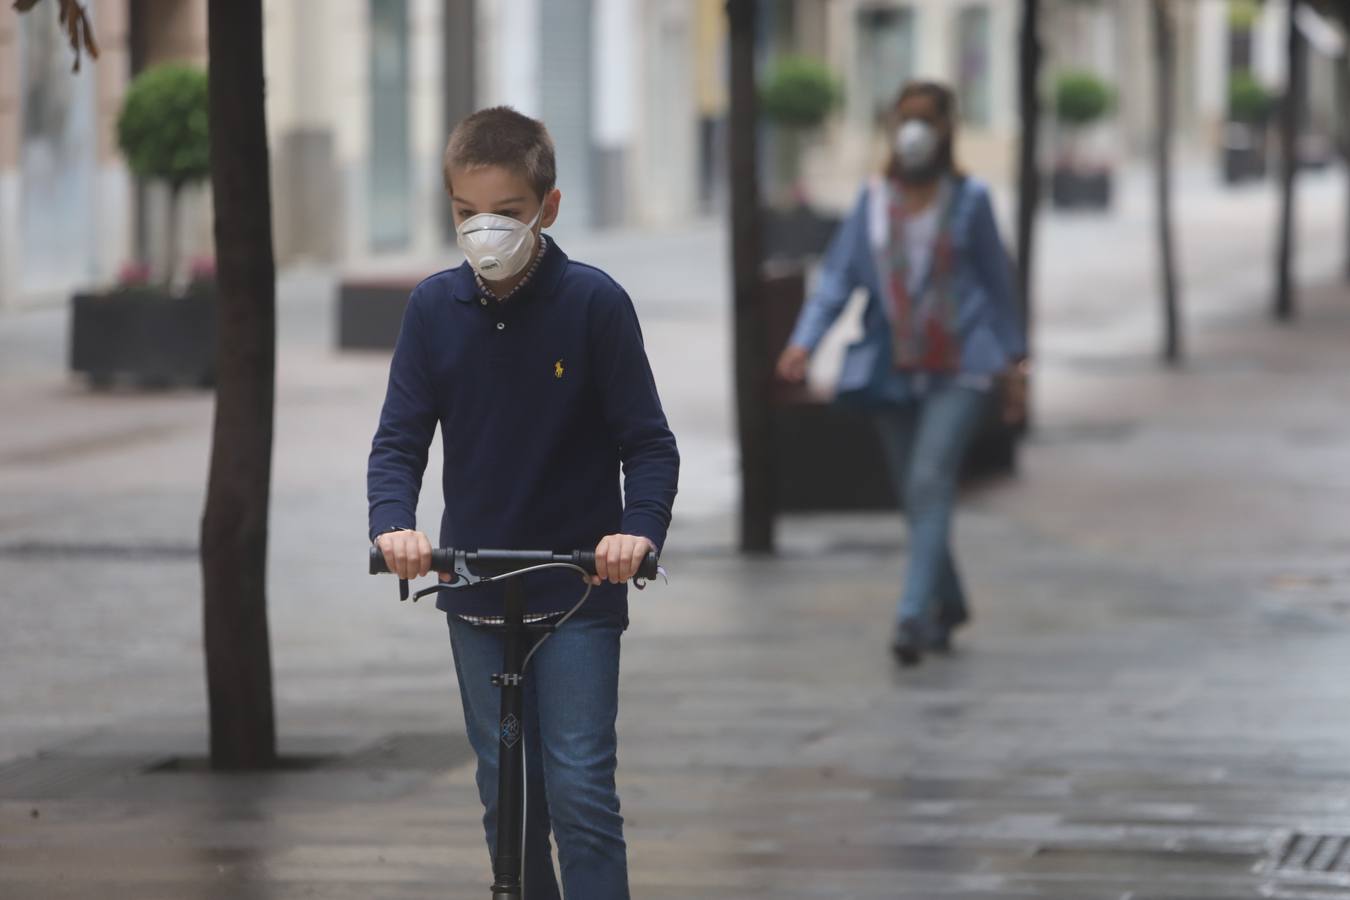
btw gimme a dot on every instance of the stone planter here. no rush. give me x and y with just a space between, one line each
797 233
145 337
828 457
1244 153
370 312
1243 164
1072 188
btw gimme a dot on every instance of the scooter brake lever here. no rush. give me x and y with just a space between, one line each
641 583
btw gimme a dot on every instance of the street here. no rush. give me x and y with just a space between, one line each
1151 701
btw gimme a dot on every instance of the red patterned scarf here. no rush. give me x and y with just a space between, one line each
923 329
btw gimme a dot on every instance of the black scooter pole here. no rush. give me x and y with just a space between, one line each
507 861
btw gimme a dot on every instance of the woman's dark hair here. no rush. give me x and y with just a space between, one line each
943 99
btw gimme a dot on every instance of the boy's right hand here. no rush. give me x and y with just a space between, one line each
792 364
407 553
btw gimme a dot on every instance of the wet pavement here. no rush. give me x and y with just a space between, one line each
1151 703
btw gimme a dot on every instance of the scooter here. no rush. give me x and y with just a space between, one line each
474 568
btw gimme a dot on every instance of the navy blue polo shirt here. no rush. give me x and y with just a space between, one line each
541 400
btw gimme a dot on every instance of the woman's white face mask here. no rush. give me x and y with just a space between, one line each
916 145
498 247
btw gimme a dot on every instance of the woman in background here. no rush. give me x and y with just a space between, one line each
941 324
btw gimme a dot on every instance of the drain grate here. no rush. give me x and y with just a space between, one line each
1314 853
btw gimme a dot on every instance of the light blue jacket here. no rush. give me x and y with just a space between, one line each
989 318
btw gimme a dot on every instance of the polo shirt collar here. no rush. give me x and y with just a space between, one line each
550 272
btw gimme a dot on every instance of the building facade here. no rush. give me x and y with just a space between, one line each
362 95
877 45
63 188
70 214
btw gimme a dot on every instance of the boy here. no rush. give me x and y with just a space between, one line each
533 365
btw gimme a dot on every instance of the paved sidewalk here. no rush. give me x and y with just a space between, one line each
1152 699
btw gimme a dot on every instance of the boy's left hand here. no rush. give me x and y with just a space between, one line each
619 556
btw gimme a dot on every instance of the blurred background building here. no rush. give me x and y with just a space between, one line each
70 216
362 94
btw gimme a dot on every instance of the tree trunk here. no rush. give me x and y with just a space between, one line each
1289 124
1029 175
234 526
1164 59
1343 104
753 371
171 238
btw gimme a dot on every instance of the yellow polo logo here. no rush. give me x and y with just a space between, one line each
558 369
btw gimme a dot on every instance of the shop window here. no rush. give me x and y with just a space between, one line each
973 68
885 58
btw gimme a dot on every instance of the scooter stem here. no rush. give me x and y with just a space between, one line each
507 862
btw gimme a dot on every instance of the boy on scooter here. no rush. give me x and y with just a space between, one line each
533 366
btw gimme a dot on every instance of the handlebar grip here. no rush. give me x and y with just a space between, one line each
442 560
649 569
377 564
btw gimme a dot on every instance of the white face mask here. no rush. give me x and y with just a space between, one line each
916 145
498 247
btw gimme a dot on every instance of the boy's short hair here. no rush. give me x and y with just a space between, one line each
500 136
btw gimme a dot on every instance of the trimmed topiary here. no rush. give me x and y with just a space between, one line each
800 92
1082 98
162 131
1248 100
1243 14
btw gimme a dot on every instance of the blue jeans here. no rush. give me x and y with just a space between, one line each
571 753
925 442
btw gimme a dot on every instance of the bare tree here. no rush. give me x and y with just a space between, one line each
1164 57
1289 127
1029 173
234 525
1341 8
753 372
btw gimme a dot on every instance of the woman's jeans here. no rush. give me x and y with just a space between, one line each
571 704
925 442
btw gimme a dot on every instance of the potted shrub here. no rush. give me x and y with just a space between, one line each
148 330
1082 99
796 98
1244 134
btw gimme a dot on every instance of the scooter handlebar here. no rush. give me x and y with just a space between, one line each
501 562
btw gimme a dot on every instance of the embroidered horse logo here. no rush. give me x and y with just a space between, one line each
510 731
558 369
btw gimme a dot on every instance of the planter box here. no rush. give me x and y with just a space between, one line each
1243 164
370 312
1244 153
827 457
1316 151
830 458
145 338
1073 189
797 233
